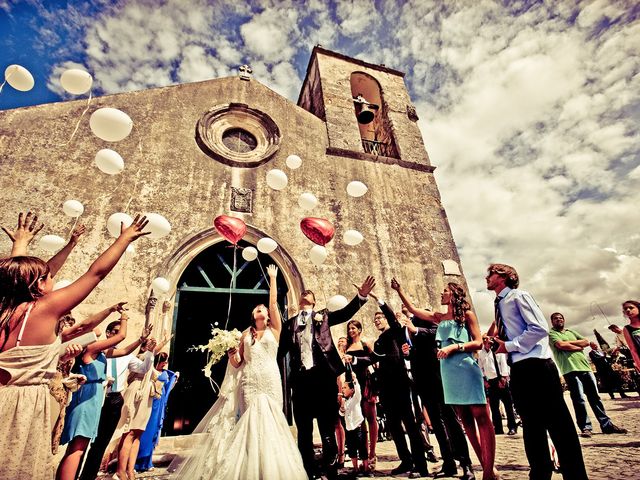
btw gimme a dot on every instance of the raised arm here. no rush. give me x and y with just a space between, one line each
274 312
57 261
91 322
24 233
121 352
61 301
345 314
162 344
418 312
97 347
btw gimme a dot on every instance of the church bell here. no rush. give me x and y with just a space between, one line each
365 111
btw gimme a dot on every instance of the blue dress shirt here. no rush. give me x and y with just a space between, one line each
525 325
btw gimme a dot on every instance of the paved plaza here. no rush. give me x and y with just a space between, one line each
608 457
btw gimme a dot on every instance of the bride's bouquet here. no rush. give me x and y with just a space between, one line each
221 341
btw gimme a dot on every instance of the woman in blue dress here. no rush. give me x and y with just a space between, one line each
458 336
151 435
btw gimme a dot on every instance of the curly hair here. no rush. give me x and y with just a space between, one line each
458 302
507 272
19 278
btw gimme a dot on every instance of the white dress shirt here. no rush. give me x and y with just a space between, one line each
488 366
352 410
118 368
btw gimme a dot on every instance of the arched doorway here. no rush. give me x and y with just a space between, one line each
202 271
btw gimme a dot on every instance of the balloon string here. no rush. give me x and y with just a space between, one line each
79 120
75 222
343 271
233 275
135 186
7 77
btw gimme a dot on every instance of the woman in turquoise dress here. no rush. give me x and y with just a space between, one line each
458 336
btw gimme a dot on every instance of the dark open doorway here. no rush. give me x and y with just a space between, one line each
202 299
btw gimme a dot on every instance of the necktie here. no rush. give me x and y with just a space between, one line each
495 362
502 334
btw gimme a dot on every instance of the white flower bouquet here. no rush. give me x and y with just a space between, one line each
221 341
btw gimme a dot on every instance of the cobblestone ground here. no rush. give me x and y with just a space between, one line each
608 457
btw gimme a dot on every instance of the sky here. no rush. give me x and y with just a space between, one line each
529 110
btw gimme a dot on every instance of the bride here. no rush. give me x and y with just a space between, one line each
245 435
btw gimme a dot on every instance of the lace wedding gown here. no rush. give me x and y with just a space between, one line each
245 435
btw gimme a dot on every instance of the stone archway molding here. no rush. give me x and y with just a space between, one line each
173 268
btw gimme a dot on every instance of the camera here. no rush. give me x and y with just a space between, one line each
494 345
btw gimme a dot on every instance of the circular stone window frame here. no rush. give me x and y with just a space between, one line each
221 118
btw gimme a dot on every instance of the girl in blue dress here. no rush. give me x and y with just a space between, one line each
458 336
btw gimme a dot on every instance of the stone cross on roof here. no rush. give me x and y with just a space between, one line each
245 72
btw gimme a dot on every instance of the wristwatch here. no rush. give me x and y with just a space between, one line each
461 347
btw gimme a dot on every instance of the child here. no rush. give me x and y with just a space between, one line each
354 423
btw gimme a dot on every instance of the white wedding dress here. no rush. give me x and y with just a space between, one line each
245 435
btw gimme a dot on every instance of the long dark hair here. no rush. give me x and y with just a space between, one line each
18 284
358 326
458 302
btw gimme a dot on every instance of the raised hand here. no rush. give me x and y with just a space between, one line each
272 270
77 233
119 307
146 331
395 285
135 230
166 305
367 286
24 233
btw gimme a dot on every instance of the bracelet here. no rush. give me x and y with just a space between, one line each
461 347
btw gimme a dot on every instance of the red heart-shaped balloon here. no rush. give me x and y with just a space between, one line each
318 230
231 228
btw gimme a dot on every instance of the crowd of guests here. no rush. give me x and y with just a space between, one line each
466 381
60 382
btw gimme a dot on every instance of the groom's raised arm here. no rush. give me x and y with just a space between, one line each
346 313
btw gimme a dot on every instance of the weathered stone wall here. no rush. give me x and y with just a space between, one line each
401 217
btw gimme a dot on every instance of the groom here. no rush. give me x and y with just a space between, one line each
315 364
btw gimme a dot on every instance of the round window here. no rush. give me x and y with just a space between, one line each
238 135
239 140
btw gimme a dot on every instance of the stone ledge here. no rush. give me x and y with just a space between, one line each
341 152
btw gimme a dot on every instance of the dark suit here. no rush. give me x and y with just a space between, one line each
426 374
315 390
395 393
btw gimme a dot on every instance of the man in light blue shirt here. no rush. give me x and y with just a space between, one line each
520 330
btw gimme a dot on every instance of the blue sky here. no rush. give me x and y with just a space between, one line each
530 110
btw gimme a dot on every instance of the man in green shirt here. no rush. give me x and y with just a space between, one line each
568 346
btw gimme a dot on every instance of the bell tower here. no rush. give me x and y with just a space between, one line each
366 108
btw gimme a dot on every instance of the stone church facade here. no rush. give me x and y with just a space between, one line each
203 149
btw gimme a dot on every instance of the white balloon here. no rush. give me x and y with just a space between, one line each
337 302
267 245
73 208
160 285
158 226
113 223
61 284
19 78
109 161
356 188
293 162
249 254
352 237
318 254
131 250
277 179
76 81
110 124
307 201
52 242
